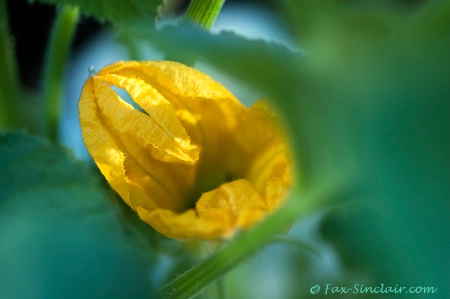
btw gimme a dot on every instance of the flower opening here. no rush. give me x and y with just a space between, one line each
195 162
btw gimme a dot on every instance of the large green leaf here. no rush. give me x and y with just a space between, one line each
116 12
61 235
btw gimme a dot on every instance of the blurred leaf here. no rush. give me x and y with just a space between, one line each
123 12
260 63
377 100
397 101
311 20
61 236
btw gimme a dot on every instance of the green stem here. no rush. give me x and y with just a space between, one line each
204 12
10 96
60 43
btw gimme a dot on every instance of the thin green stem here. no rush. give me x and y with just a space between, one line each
58 51
204 12
10 96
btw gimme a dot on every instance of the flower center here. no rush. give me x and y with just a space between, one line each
207 180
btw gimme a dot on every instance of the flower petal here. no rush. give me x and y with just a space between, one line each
195 163
108 126
184 226
176 83
262 148
219 213
237 204
180 99
161 129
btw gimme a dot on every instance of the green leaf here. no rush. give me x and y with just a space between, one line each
123 12
269 69
58 50
10 93
61 236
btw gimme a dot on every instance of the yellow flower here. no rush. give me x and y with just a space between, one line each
191 160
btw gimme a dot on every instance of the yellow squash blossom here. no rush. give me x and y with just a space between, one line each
191 160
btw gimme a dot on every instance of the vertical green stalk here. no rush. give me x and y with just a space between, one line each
10 96
58 50
204 12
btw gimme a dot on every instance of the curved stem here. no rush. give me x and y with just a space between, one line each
59 47
10 96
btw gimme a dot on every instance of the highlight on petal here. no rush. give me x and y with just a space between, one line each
193 162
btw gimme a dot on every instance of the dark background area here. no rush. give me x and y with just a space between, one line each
31 23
